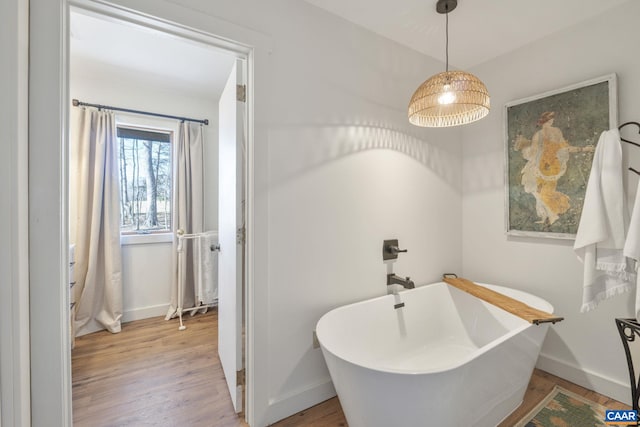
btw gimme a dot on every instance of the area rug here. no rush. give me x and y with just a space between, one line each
562 408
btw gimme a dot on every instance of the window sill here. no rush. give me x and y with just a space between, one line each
144 239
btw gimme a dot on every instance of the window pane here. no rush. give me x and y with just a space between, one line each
145 183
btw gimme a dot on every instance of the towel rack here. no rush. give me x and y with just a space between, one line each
631 142
627 124
182 236
629 330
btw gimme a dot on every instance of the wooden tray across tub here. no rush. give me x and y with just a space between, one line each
513 306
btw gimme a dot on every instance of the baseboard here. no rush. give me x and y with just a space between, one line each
292 403
609 387
129 316
145 312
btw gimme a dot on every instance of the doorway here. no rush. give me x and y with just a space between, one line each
57 344
127 66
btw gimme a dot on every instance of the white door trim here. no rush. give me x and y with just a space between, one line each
48 194
50 353
14 265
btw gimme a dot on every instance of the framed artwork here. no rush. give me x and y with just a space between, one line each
549 145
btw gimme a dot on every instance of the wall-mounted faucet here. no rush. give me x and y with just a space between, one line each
406 282
390 249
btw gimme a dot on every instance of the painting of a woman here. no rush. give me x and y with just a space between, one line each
549 145
547 155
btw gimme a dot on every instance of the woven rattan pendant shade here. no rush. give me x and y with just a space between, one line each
451 98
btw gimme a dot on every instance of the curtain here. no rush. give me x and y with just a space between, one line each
98 268
188 209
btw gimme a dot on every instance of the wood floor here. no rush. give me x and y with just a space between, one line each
151 374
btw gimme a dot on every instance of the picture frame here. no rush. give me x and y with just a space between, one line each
550 140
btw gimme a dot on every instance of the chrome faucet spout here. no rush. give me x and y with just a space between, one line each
406 282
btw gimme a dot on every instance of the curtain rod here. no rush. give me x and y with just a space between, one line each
77 103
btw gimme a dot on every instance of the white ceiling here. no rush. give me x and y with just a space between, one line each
479 30
115 48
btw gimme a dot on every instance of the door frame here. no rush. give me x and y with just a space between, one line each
49 103
14 267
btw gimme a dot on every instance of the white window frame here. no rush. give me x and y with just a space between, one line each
154 124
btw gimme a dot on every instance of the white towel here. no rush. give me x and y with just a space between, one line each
632 245
207 278
601 234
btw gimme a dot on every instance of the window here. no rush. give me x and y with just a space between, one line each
145 180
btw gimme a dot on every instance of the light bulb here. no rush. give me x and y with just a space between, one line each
447 96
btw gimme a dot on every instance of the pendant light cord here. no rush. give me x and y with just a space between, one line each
447 38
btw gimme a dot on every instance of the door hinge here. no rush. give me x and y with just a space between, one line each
241 93
241 235
241 377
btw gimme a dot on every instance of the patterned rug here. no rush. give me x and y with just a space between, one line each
562 408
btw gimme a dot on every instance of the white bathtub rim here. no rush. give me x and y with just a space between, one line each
463 361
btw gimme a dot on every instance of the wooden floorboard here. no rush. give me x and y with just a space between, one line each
151 374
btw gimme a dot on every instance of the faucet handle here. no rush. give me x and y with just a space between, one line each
391 249
395 249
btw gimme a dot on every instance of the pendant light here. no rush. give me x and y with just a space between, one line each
451 98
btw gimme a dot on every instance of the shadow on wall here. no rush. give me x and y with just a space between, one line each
563 354
291 389
294 150
484 172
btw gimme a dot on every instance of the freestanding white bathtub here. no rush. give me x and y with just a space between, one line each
445 358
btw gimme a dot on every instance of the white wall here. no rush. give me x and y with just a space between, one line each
346 171
585 348
146 265
14 268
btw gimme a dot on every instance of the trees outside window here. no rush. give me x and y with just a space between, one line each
145 180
